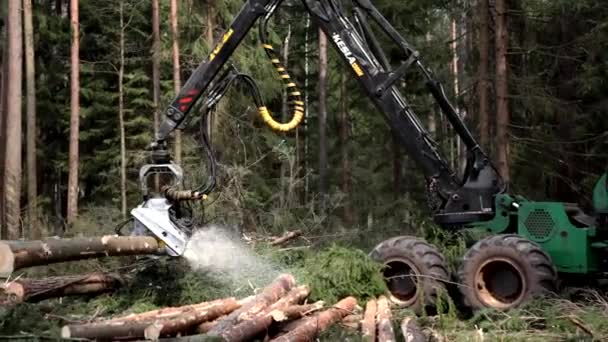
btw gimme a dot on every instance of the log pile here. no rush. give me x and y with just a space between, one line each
377 324
279 312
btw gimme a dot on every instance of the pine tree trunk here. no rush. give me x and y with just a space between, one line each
177 83
12 175
285 164
306 107
156 64
3 115
323 187
482 74
72 210
30 75
502 91
344 135
121 115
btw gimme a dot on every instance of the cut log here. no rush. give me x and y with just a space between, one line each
33 290
319 322
166 313
253 327
184 323
368 325
288 236
43 252
352 321
386 333
205 327
270 294
411 330
133 329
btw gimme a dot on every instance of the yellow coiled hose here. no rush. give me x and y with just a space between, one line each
295 101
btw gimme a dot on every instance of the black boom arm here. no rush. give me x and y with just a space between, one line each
455 200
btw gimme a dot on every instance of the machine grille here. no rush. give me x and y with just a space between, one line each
539 224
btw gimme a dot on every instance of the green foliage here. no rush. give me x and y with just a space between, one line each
338 272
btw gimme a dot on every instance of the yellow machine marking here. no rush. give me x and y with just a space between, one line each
357 69
219 46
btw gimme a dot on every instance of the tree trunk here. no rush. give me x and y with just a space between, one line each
347 214
12 172
3 115
170 312
269 295
15 255
177 83
386 332
149 329
72 210
368 325
285 164
306 111
323 187
483 83
312 326
156 64
33 290
121 115
30 75
502 91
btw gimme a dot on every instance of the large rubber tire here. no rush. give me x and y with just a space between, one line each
505 271
414 270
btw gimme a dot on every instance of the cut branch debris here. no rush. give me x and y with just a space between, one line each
288 236
22 254
411 330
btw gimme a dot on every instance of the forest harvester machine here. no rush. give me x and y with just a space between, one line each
530 244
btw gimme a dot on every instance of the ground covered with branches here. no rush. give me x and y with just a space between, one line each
332 270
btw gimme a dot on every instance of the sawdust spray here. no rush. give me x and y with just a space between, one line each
224 256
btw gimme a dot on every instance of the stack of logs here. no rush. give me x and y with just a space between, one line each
278 313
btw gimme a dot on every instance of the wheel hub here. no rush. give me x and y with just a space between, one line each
401 279
500 283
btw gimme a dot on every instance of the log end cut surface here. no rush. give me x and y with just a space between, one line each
7 260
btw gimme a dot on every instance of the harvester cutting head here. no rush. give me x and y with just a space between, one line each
159 215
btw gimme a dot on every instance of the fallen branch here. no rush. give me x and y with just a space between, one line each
15 255
368 325
133 329
319 322
352 321
270 294
288 236
384 316
33 290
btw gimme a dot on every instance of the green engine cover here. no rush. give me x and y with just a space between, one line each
600 196
569 245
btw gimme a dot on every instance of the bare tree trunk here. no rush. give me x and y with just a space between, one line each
502 91
177 83
3 115
344 128
306 140
482 73
156 64
12 175
285 164
323 188
30 75
121 115
72 211
15 255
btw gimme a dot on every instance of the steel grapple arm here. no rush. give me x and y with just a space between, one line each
455 200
